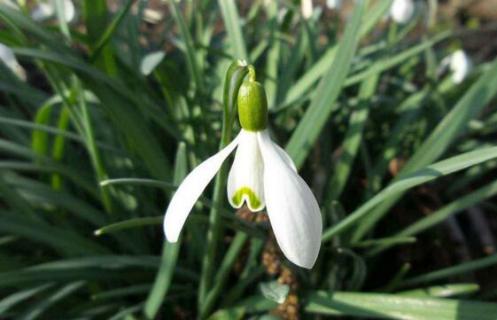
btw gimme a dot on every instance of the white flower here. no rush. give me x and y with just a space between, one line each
460 65
262 175
402 11
333 4
306 8
46 10
9 59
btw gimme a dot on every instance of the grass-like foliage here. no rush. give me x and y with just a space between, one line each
114 112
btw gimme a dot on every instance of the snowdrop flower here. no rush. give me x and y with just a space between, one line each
46 10
402 11
9 59
262 175
333 4
460 65
306 7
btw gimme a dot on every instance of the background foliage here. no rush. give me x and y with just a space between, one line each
115 112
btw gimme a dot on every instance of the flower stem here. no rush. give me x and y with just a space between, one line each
234 78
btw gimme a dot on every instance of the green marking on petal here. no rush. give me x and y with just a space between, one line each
253 200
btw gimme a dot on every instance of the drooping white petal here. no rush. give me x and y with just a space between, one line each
402 11
292 208
245 180
46 10
285 157
334 4
460 65
190 190
43 11
306 8
69 10
9 59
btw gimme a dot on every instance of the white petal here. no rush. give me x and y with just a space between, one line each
69 10
334 4
285 157
190 190
402 11
43 11
7 56
461 66
9 59
245 180
292 208
306 8
46 10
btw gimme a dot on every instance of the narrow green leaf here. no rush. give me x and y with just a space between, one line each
390 241
224 270
138 289
139 182
451 127
445 291
95 14
452 271
59 145
193 65
374 15
57 238
228 314
416 178
16 298
385 306
38 308
232 24
110 30
443 213
352 140
129 224
319 68
169 251
39 142
323 102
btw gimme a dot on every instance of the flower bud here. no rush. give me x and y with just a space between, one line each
252 106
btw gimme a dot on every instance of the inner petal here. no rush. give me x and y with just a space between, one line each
245 180
245 194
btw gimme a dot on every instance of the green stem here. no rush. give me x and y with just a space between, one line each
224 271
234 78
93 151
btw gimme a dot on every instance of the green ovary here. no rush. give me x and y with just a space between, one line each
253 200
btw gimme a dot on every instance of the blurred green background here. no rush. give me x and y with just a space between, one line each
105 106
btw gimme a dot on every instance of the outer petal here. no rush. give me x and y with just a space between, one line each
402 11
245 180
461 66
285 157
43 11
190 189
9 59
292 208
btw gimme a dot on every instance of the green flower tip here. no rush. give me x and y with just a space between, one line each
252 104
245 193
